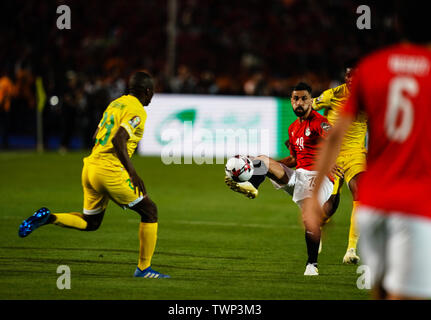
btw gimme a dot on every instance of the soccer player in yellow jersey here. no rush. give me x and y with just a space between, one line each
352 157
108 173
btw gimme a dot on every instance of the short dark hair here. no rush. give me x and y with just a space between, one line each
140 82
302 86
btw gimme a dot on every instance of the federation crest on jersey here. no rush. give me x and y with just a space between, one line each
325 126
307 131
135 121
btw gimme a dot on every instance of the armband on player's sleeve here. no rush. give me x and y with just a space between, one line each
326 127
131 123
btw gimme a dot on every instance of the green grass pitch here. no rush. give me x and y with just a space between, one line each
216 244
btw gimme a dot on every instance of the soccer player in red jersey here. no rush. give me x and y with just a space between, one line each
393 87
305 136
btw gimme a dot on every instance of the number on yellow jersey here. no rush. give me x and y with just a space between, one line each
108 125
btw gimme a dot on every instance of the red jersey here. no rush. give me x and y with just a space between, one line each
305 139
393 87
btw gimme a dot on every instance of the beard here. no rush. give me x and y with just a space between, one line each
300 112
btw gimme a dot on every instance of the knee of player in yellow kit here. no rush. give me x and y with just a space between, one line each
147 209
94 221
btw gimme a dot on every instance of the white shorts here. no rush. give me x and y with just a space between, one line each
301 184
396 247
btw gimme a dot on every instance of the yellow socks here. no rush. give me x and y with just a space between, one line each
147 243
354 232
147 234
73 220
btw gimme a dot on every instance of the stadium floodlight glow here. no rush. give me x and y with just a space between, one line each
53 101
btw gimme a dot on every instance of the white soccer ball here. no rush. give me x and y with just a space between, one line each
239 168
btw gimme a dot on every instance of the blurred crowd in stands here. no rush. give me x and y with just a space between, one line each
249 47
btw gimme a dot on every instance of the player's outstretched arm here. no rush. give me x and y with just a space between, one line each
120 145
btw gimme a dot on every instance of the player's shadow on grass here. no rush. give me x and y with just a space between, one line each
101 250
4 262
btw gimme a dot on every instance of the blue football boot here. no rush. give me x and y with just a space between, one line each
39 218
149 273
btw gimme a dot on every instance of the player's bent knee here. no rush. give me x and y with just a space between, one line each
261 165
265 159
147 209
93 221
262 157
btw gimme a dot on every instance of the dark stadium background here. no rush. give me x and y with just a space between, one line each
221 48
215 243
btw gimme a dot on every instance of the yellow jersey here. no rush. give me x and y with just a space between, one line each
127 112
333 101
